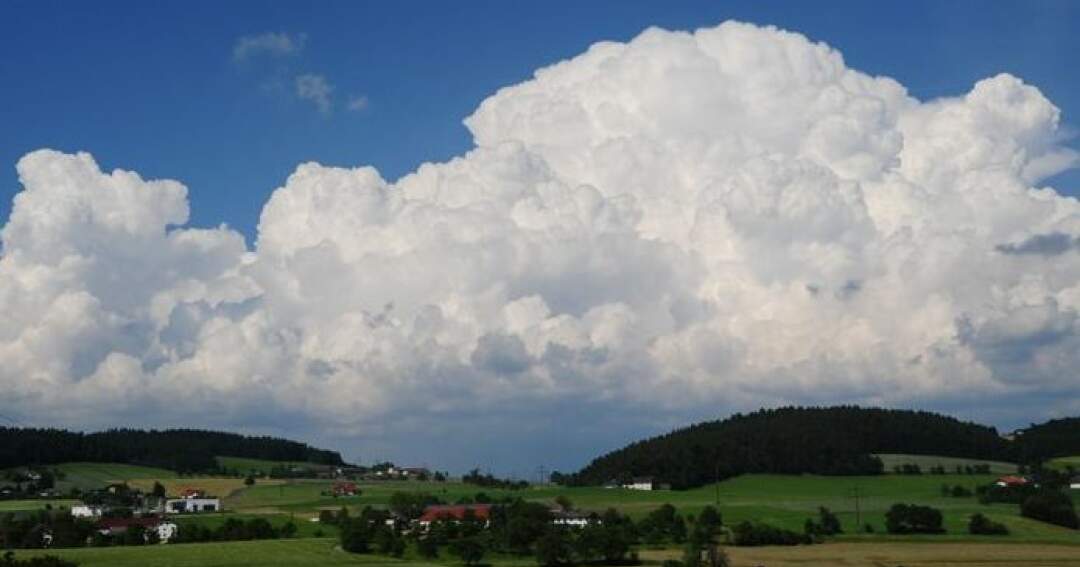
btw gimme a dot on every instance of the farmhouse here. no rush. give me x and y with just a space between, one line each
192 501
640 483
1012 481
457 513
164 529
345 489
85 511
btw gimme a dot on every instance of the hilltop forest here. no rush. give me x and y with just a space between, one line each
837 440
182 450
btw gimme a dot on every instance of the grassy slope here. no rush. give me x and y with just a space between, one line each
260 466
1063 463
21 505
950 463
95 475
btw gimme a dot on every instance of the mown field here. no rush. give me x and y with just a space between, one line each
891 460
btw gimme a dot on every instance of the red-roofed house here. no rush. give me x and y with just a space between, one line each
1011 480
345 489
115 526
457 513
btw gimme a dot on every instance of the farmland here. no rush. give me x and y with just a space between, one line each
259 466
86 476
925 462
1063 463
324 552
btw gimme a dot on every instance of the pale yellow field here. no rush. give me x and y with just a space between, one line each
220 487
908 554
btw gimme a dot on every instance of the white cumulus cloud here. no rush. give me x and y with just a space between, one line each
673 227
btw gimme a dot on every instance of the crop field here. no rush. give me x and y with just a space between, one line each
881 554
891 460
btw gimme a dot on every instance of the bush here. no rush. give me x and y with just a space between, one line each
981 525
913 519
1050 506
470 550
755 534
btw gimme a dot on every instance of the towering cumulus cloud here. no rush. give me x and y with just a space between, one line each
682 225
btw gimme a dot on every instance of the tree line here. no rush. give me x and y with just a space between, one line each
181 450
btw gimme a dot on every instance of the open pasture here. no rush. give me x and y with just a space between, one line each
925 462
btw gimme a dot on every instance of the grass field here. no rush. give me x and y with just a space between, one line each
266 553
785 501
85 476
323 552
891 460
1063 463
260 466
22 505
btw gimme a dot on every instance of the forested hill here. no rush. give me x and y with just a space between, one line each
1055 438
793 440
183 450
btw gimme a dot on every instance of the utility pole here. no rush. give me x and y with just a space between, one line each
858 511
717 484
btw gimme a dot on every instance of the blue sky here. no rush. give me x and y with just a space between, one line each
153 87
548 310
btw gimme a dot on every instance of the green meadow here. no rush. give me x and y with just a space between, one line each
891 460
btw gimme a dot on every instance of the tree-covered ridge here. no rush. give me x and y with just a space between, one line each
1055 438
793 440
183 450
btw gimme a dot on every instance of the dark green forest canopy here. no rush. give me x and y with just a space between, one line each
837 440
183 450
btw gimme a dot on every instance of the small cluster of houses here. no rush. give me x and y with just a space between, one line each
151 515
635 483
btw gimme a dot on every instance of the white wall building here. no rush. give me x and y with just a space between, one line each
642 483
85 511
192 505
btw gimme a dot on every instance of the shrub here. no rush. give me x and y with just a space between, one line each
755 534
913 519
1050 506
981 525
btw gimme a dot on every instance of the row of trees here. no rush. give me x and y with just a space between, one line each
182 450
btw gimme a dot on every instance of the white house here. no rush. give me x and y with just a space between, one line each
1075 483
570 519
640 483
192 505
166 530
85 511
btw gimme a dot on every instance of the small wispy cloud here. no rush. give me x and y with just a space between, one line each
271 43
317 90
358 103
